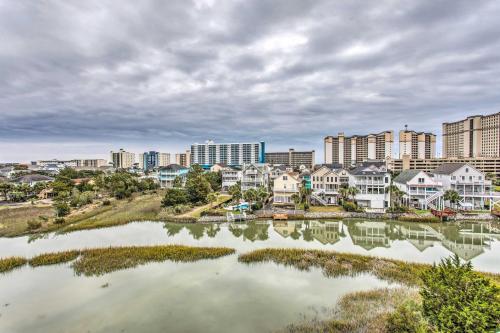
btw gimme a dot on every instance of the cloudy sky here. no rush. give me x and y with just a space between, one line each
79 78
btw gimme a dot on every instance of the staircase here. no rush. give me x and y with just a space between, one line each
429 202
319 199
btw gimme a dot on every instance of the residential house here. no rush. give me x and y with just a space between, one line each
325 185
418 187
32 179
470 183
285 186
168 174
255 175
230 176
371 180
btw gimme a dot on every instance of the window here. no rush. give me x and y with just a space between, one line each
285 178
466 169
421 180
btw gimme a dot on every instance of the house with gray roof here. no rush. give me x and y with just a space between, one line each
371 179
32 179
168 174
417 186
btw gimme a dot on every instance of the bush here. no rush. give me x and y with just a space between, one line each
349 206
421 219
257 206
106 202
34 224
59 220
62 209
407 318
457 299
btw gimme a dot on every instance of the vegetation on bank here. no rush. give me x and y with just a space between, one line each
451 296
9 264
340 264
95 262
365 311
54 258
14 220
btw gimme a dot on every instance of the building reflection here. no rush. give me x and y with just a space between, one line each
370 234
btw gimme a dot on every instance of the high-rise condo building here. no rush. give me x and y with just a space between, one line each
183 159
292 158
211 153
476 136
122 159
153 159
417 144
350 150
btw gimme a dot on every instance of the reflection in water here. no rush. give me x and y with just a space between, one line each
467 240
399 240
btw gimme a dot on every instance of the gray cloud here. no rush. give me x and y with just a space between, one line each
168 73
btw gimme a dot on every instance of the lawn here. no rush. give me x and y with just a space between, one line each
326 209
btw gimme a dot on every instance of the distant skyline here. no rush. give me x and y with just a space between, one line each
81 78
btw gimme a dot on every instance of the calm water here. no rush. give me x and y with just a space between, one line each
427 243
219 295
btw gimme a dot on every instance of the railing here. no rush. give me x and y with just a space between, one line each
286 190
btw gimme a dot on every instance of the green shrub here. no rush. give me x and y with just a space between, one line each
106 202
421 219
34 224
457 299
62 209
59 220
349 206
407 318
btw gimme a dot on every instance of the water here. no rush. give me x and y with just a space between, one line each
427 243
220 295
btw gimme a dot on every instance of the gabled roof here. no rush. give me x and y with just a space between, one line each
406 175
369 168
33 178
173 167
448 168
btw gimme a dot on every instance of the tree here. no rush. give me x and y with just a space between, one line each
212 197
235 191
215 180
5 189
250 195
262 194
174 197
457 299
343 193
296 199
177 181
452 196
62 208
395 195
352 191
197 186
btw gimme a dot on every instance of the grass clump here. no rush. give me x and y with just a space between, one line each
419 219
365 311
340 264
95 262
54 258
11 263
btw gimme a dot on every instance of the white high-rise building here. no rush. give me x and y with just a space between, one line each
211 153
417 145
122 159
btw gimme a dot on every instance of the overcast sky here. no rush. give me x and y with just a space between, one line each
80 78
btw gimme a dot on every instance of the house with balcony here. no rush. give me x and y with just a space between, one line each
418 187
371 179
255 175
168 174
230 176
285 186
467 181
325 184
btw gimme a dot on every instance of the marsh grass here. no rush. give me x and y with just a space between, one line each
340 264
54 258
364 311
11 263
95 262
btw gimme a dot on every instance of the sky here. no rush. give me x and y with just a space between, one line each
81 78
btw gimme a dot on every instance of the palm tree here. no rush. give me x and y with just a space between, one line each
262 194
250 195
395 194
352 191
343 193
452 196
296 199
